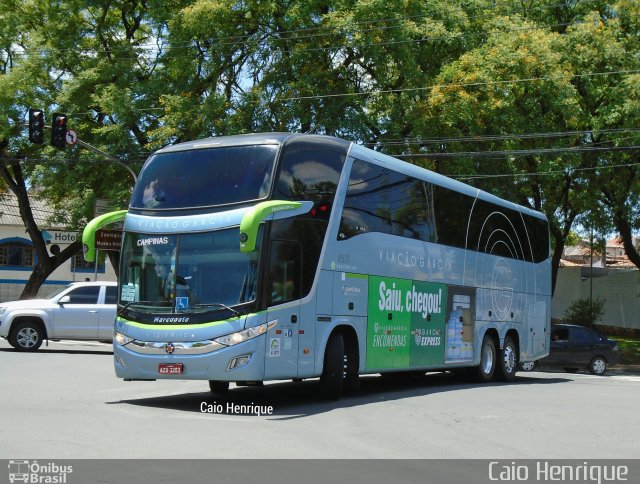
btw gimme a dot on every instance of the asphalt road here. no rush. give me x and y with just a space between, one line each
65 402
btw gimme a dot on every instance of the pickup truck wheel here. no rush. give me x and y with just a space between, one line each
26 336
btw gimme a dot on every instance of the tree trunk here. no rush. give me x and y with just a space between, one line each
555 258
45 268
622 224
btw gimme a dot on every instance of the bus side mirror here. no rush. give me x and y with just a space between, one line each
89 232
272 209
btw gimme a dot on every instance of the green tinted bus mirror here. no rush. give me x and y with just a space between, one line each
251 220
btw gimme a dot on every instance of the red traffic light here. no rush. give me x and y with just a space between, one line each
36 126
59 130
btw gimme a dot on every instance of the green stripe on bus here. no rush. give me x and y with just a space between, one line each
352 275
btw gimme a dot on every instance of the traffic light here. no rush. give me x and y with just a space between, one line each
36 126
59 130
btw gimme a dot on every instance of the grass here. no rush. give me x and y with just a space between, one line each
629 350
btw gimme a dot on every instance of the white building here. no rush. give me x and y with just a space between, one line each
17 256
611 277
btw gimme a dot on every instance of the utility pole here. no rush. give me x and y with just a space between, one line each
109 157
591 282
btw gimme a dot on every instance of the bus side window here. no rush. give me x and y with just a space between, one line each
284 272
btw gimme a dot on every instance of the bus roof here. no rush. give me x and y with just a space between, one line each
425 174
352 149
323 141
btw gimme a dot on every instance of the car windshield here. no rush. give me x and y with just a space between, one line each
58 291
205 177
188 272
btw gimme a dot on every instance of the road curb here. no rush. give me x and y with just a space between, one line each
625 370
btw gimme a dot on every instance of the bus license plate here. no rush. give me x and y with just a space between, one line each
170 368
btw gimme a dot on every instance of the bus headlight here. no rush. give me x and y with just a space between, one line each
121 339
245 335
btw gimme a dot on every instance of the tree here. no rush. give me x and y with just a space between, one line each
585 312
135 75
608 42
516 82
58 36
12 175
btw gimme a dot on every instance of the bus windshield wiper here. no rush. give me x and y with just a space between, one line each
142 303
217 305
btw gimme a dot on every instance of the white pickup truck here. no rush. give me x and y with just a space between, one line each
79 311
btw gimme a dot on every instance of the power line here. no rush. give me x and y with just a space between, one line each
476 154
543 173
460 84
413 89
420 89
498 137
517 153
237 41
336 47
331 31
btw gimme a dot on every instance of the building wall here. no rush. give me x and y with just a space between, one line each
13 280
620 289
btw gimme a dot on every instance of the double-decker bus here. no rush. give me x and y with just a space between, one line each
287 256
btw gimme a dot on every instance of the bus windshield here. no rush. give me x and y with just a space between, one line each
205 177
187 272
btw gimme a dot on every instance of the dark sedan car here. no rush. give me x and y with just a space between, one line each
576 347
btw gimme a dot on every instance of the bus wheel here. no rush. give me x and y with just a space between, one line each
332 378
487 367
26 336
508 361
218 387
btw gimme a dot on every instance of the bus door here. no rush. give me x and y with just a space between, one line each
284 305
538 332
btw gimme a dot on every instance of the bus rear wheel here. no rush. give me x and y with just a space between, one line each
508 361
485 370
332 378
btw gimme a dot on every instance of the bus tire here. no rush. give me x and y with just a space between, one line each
507 366
218 387
485 370
26 336
332 378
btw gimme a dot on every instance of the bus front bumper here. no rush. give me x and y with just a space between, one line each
190 361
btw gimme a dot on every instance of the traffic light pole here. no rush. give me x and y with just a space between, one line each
107 156
61 136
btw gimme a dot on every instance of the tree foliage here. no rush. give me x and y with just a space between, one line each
585 312
551 87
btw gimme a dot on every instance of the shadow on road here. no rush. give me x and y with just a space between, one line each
303 399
